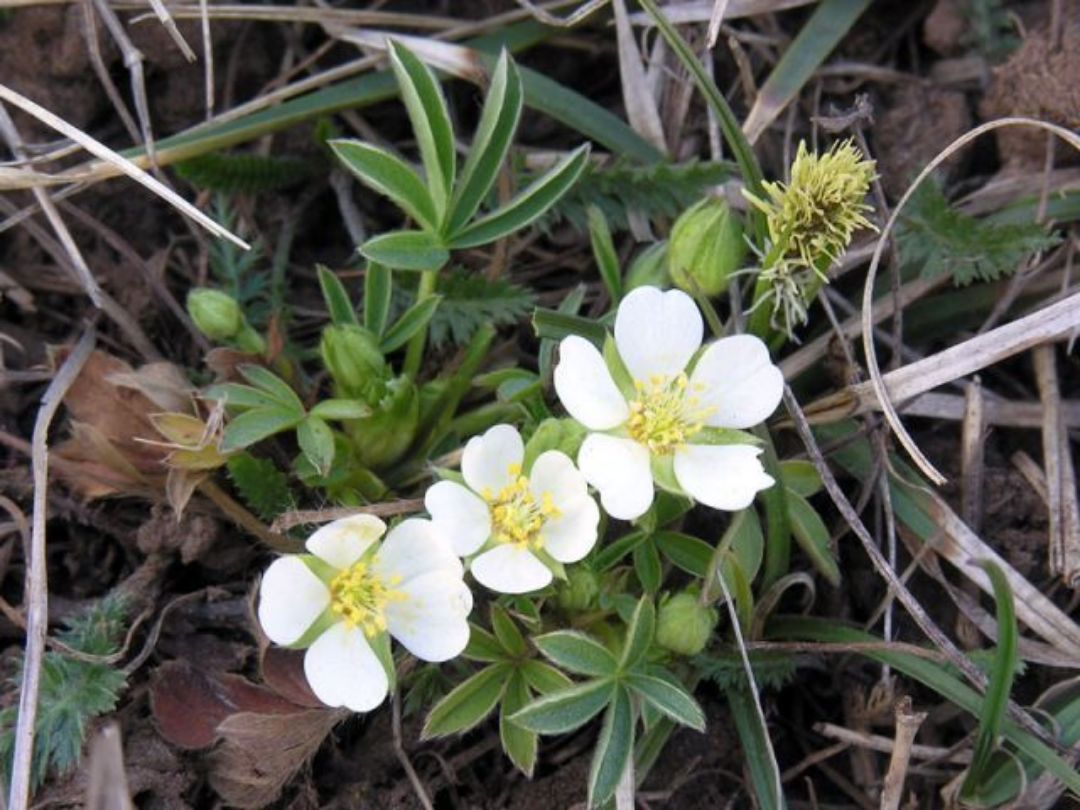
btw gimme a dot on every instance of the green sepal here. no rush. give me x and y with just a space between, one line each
617 368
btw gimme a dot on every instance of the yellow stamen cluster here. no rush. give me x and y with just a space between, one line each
516 515
360 596
666 413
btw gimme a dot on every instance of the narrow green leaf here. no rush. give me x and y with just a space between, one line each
996 702
639 634
743 541
817 38
337 298
406 250
431 125
567 709
494 134
544 678
518 743
341 409
757 753
273 385
483 646
612 553
687 552
506 631
316 441
613 749
378 291
801 477
255 425
813 537
388 174
647 566
467 703
603 248
577 652
551 325
669 697
415 318
235 395
527 206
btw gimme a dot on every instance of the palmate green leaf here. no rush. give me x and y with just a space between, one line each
612 553
567 709
316 441
257 424
483 646
527 205
507 632
544 678
415 318
801 477
266 380
494 134
577 653
378 291
337 298
603 248
235 395
743 543
996 702
519 744
431 125
639 634
689 553
647 566
341 409
468 703
813 537
406 250
389 175
613 748
670 697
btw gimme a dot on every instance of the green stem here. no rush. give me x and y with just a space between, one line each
778 530
414 353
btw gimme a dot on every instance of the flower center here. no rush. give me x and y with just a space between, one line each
666 413
516 515
360 596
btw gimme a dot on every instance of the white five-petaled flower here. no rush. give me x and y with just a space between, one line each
512 518
656 424
342 599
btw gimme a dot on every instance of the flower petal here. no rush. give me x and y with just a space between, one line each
657 332
343 670
459 515
554 474
585 387
488 459
619 469
413 548
344 541
507 568
721 476
291 598
737 380
431 621
570 536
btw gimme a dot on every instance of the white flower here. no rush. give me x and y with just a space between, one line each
510 518
657 421
342 599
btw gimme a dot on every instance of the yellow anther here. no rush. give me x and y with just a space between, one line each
360 596
664 418
517 517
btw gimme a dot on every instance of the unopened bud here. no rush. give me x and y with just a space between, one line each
580 590
649 268
706 247
351 355
216 314
684 625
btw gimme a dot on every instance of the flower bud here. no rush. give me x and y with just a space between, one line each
580 590
706 247
649 268
684 625
351 355
216 314
382 438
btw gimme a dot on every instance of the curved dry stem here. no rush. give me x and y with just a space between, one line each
874 370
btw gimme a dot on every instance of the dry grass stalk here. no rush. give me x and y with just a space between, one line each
972 455
885 745
108 784
907 726
996 411
1060 474
1029 468
876 381
37 582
